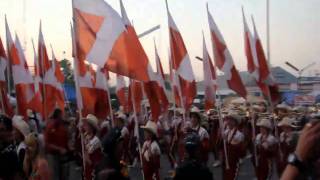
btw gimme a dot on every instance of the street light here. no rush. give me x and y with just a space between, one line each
300 71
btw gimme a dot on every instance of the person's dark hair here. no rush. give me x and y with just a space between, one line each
197 115
192 143
56 113
7 122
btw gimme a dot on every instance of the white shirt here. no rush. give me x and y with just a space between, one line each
203 134
150 149
237 138
267 142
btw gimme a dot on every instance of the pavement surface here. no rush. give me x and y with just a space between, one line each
246 170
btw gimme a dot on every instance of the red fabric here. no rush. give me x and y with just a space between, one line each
136 94
7 108
55 134
151 90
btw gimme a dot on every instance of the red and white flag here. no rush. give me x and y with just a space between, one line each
161 82
210 80
102 109
121 93
266 80
104 40
223 59
58 81
181 64
175 85
150 86
22 78
6 107
49 85
135 96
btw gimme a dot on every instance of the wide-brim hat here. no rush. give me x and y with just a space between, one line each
152 127
283 107
233 115
180 111
92 120
264 122
30 113
121 116
20 125
287 121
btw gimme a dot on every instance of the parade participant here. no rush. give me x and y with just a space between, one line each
177 140
193 167
151 152
287 142
111 166
93 148
9 166
35 166
234 145
56 143
214 136
120 122
20 131
266 149
195 117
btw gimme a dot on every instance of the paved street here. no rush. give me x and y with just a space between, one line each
246 171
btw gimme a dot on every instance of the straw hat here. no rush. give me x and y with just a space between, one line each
121 116
283 107
286 121
234 115
92 120
180 110
264 122
151 127
21 125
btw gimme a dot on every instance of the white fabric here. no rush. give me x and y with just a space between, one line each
124 15
269 141
120 82
101 81
3 66
110 30
21 146
185 69
93 144
150 149
236 139
124 132
209 82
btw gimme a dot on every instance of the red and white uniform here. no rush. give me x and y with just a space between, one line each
204 138
234 140
287 146
151 160
93 150
266 149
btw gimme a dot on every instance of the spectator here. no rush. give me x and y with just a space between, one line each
192 167
20 131
303 161
9 166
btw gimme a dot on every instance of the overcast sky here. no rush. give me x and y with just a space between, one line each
295 26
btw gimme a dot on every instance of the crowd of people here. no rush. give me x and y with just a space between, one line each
69 146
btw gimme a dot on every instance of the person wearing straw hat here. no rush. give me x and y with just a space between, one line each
177 140
93 148
287 142
214 136
195 117
234 142
266 148
151 152
20 131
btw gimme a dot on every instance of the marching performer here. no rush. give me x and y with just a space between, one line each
266 149
195 117
234 140
93 148
215 136
287 142
151 152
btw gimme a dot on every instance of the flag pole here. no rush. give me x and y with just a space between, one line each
76 79
1 99
268 30
222 132
109 102
137 128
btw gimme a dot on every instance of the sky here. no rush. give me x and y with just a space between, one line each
294 25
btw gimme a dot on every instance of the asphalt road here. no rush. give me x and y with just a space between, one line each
246 171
